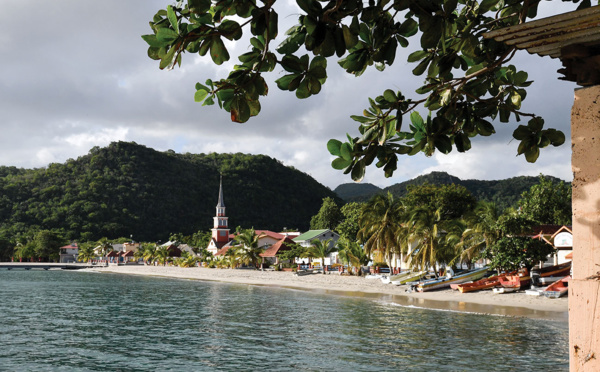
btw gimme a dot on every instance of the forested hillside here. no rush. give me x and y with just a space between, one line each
504 193
128 189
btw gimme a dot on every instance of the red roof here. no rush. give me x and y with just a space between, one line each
222 251
272 234
113 254
70 246
127 254
282 245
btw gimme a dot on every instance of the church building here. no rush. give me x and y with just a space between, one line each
220 230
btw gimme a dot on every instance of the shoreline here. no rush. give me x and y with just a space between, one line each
482 302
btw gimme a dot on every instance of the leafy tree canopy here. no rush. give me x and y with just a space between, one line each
349 225
329 216
547 203
467 79
511 253
452 201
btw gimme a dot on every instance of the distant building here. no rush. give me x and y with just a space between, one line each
220 230
69 253
308 237
560 237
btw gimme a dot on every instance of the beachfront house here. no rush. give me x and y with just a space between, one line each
306 239
68 253
559 237
266 239
270 255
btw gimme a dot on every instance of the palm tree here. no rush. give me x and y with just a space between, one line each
381 227
247 251
481 231
162 255
148 252
427 231
85 252
352 254
104 246
320 249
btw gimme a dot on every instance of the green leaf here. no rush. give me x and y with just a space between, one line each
442 143
358 171
521 133
239 109
166 35
487 5
199 6
536 124
218 52
346 151
172 18
390 96
334 146
284 82
350 39
153 41
417 120
485 128
200 95
417 56
532 154
515 99
339 163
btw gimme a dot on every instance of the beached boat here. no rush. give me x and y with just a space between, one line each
561 270
557 289
304 272
501 290
385 279
410 277
486 283
373 276
446 281
520 281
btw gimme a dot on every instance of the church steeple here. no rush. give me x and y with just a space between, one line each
221 203
220 230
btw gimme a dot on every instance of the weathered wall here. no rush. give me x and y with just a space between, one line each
584 315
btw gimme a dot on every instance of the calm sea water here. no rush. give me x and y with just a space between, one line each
80 321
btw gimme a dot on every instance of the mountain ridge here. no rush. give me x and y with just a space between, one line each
504 193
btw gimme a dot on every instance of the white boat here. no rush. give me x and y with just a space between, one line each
501 290
446 281
385 279
373 276
533 292
410 277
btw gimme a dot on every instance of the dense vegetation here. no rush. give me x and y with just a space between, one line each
504 193
128 189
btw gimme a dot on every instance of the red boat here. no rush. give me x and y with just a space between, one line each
491 282
521 280
557 289
561 270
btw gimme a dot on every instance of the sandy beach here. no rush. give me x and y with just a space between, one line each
510 304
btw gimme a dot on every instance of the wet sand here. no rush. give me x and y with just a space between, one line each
509 304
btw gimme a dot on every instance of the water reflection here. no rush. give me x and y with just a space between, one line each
88 321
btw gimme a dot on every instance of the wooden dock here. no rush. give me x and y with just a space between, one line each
47 265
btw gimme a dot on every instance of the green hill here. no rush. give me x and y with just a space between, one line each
504 193
128 189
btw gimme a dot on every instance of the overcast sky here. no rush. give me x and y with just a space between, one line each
75 74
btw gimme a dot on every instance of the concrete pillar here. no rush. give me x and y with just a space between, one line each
584 301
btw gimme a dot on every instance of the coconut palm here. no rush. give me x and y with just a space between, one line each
481 231
247 251
162 255
429 235
352 254
147 252
381 227
320 249
104 246
85 253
